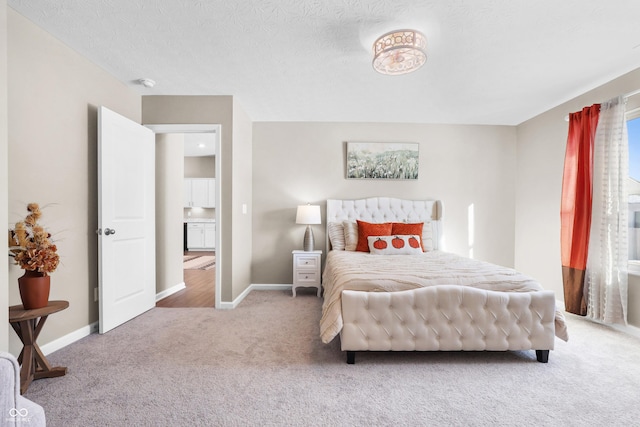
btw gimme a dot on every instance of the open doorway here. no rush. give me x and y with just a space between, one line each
191 179
199 223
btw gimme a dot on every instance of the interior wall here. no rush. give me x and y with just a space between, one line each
206 110
540 162
53 95
242 197
4 176
200 167
299 163
169 201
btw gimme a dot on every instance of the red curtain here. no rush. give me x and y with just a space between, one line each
575 210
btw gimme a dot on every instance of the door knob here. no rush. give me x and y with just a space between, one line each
108 231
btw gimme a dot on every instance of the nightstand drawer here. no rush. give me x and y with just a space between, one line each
306 270
310 262
310 277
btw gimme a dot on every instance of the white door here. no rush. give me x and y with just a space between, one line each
126 219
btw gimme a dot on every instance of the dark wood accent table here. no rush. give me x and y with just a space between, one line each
28 325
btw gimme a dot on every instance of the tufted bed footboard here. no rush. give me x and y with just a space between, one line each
448 318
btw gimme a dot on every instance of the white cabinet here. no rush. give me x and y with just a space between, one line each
211 192
195 236
201 236
210 235
199 192
306 270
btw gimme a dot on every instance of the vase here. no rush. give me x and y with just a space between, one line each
34 289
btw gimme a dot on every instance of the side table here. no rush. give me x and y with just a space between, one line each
28 325
306 270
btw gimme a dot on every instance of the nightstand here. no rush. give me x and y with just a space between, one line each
306 270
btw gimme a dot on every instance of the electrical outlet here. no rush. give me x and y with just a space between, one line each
95 294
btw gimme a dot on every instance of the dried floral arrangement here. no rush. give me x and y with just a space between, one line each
30 244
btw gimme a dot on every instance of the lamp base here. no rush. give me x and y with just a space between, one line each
308 242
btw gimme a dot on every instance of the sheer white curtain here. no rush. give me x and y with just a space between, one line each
606 276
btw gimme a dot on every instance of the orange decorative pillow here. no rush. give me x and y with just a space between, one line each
366 229
403 228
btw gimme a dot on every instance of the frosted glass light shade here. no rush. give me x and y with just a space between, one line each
399 52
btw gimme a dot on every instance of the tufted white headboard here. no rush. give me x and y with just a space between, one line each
387 209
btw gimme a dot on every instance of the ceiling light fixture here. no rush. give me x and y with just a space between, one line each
399 52
147 82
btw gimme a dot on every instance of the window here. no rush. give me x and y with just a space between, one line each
633 129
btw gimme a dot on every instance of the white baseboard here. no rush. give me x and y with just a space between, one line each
69 338
253 287
633 330
270 287
627 329
172 290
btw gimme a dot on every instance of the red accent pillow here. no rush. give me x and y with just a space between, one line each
403 228
366 229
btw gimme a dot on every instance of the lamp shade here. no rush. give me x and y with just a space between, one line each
308 214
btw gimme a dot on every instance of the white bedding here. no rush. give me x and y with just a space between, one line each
346 270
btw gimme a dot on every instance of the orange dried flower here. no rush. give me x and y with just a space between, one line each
35 214
30 244
21 234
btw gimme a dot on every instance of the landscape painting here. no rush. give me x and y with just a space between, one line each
382 160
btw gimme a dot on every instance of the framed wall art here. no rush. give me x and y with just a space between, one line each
382 160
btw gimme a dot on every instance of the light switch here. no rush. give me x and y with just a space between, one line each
244 208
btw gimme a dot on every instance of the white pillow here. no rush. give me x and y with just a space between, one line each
336 236
394 245
427 236
350 235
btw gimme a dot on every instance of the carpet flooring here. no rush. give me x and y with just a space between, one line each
263 364
198 262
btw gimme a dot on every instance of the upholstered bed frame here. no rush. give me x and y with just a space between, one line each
446 318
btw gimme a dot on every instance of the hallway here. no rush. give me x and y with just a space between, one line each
199 291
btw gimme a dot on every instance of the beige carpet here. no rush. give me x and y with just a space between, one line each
263 364
196 262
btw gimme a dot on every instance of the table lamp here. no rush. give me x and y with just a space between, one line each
308 214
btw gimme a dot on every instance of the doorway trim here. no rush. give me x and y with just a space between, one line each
205 128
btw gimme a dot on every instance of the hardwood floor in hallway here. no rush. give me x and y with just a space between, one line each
199 291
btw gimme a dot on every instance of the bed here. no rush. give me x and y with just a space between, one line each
423 299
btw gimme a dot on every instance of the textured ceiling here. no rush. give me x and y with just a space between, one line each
489 61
